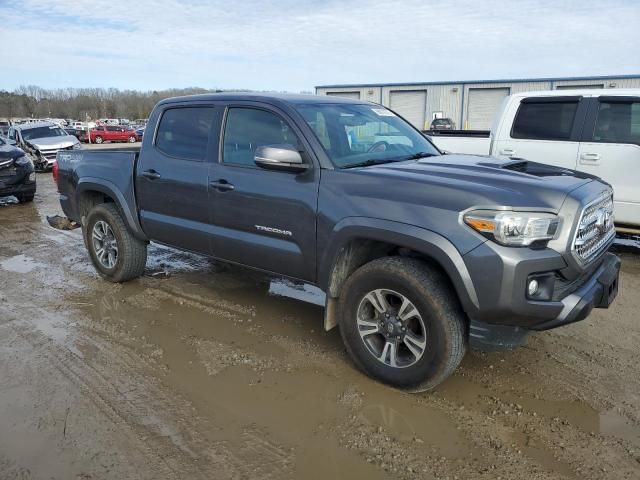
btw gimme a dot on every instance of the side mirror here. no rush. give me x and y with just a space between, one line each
282 157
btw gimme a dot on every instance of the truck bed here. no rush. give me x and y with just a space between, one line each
459 143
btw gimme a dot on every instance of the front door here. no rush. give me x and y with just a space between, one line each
171 178
263 218
611 150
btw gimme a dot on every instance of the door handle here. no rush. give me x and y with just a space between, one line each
151 174
590 157
222 185
508 152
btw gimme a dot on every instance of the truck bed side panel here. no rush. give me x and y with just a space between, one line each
108 172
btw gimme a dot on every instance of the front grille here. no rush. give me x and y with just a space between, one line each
8 172
49 154
595 228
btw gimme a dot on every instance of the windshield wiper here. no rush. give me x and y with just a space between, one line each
371 161
419 155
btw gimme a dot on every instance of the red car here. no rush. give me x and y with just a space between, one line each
112 133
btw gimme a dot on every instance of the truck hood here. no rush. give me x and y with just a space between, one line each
465 181
9 152
50 143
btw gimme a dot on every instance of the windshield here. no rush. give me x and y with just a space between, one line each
43 132
354 135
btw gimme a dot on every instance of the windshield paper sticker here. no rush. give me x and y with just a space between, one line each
383 112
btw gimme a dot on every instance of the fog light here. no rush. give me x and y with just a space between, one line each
32 177
532 288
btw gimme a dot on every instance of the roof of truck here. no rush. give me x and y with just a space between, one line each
585 92
27 126
290 98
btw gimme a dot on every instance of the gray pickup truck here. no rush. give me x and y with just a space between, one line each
420 254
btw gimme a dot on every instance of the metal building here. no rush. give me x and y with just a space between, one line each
470 104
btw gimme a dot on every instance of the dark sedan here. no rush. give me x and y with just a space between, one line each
17 174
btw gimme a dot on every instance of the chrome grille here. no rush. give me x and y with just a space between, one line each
595 229
49 154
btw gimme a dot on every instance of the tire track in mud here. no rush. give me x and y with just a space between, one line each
138 408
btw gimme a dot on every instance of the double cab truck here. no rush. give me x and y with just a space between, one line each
421 255
592 131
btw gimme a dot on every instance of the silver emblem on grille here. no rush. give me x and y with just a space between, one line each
603 219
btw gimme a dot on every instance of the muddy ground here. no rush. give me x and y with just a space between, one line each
197 371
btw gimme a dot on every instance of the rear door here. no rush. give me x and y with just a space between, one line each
544 129
263 218
171 176
611 149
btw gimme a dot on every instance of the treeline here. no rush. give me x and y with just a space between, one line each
31 101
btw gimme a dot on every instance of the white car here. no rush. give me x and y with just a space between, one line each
592 131
41 141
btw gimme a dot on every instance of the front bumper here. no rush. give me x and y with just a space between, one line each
18 183
506 315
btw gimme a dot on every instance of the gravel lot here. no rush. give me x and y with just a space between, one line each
201 371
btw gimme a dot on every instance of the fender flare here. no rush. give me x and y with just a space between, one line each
427 242
109 188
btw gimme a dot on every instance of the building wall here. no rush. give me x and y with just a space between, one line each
452 98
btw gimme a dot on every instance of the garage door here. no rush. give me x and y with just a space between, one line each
575 87
353 95
483 106
411 104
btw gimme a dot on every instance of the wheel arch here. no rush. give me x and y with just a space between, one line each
90 192
358 240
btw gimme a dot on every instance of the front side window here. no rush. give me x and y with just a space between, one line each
246 129
354 134
618 122
546 120
184 132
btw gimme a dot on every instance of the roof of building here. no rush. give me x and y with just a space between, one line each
458 82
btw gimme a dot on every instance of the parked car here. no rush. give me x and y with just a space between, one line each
419 254
592 131
41 141
139 133
76 132
111 133
17 174
443 124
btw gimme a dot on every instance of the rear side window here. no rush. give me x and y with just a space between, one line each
184 132
618 122
545 120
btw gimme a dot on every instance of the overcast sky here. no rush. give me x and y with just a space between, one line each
294 45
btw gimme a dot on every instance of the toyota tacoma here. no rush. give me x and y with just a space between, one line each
421 255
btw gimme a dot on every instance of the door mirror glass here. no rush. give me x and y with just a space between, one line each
280 157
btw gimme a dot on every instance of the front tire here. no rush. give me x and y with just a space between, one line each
98 140
116 254
402 323
131 139
26 198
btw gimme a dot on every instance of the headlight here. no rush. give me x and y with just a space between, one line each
23 160
514 228
77 146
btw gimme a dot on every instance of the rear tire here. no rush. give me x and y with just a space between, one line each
132 139
26 198
105 229
98 140
412 307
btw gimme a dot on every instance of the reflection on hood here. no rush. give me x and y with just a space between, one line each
53 142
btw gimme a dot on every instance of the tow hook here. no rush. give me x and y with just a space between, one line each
62 223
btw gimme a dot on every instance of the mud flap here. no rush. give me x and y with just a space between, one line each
62 223
330 313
